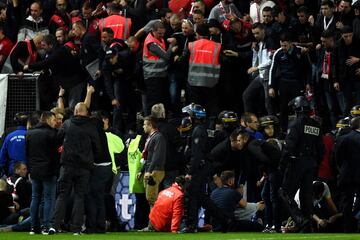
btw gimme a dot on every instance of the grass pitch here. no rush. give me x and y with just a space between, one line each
169 236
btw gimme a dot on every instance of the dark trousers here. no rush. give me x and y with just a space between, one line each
298 174
271 199
79 179
287 92
95 200
142 211
347 200
126 96
157 91
195 197
252 94
206 97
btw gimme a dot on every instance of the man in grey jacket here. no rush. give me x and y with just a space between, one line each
153 156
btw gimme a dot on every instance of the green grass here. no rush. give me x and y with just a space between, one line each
169 236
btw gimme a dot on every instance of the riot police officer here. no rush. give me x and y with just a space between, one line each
198 171
303 152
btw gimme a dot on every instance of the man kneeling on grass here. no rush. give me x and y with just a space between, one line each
168 209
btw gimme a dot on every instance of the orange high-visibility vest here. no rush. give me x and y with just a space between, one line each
204 66
119 24
153 65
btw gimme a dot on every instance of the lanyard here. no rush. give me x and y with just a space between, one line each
326 26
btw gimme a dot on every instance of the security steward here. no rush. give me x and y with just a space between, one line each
155 64
204 70
119 24
195 195
303 152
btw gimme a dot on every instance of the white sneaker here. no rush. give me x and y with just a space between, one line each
51 231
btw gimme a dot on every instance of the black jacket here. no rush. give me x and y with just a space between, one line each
304 140
347 157
81 143
90 47
267 154
292 65
347 73
224 158
173 143
42 145
199 148
65 68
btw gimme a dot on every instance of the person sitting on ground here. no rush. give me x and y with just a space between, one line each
168 210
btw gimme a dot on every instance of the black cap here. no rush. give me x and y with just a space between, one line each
214 23
346 29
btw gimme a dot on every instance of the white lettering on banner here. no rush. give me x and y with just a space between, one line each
311 130
125 202
3 100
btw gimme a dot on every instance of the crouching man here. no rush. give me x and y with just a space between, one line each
168 210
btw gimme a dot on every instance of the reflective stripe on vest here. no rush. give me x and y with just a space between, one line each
204 67
153 65
119 24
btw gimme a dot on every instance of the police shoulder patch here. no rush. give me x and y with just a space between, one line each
311 130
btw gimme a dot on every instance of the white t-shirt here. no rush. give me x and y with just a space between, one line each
325 195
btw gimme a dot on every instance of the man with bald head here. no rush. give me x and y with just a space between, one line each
81 147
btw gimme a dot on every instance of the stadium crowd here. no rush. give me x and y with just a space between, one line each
248 109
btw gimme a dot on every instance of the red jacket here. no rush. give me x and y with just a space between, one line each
168 210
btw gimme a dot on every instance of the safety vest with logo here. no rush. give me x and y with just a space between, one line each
153 65
134 157
60 22
204 66
119 24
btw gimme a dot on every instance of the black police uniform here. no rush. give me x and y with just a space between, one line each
349 177
303 151
195 194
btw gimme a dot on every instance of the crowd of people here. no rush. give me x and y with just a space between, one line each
249 109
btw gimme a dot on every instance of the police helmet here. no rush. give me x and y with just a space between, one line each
269 120
186 124
228 119
343 123
195 111
355 111
300 104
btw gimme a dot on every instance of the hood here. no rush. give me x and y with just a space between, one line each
30 18
79 120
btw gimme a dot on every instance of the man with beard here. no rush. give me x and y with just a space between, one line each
61 18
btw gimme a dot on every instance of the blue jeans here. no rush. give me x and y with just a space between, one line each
331 99
46 188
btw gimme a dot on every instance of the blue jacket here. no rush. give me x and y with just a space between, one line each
13 150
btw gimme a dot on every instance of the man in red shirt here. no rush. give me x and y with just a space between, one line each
168 210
